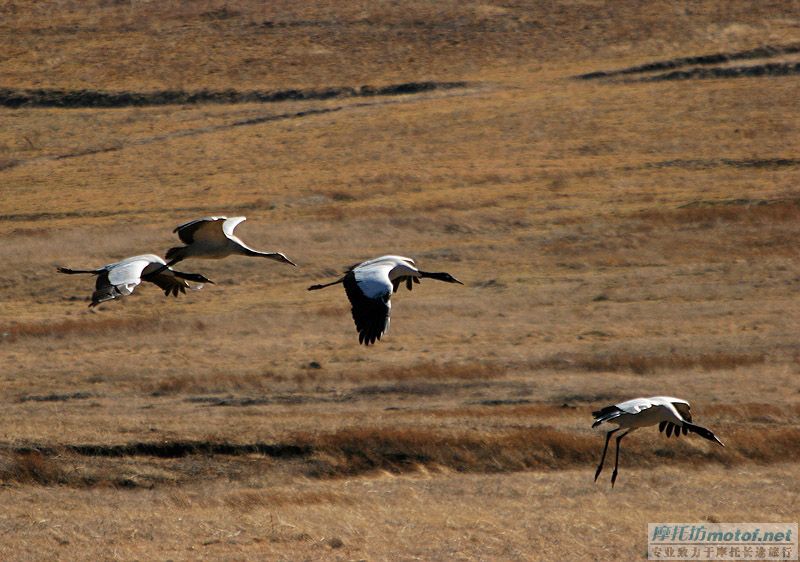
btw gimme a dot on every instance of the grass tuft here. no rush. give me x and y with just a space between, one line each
31 468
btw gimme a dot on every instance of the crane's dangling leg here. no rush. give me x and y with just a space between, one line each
603 458
616 460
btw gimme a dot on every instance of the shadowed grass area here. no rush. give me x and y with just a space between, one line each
766 51
9 333
747 212
358 451
93 98
32 468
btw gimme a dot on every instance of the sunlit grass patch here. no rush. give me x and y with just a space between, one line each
359 450
208 383
646 364
435 371
754 412
355 451
248 500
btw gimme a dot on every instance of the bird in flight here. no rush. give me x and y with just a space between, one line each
121 278
369 286
213 238
672 415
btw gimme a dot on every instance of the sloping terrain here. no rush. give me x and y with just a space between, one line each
616 184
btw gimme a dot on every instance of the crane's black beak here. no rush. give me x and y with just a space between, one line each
277 256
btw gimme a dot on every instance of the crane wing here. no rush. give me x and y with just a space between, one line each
383 260
670 427
230 224
680 405
373 280
636 405
631 407
105 291
168 283
128 272
407 279
199 229
684 410
370 305
121 278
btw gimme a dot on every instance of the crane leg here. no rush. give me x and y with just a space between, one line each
616 460
603 458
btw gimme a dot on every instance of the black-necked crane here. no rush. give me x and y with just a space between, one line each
121 278
671 415
213 238
369 286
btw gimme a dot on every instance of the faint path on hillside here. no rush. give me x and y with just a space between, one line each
703 66
98 99
261 119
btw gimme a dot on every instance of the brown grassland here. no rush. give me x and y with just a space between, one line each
617 237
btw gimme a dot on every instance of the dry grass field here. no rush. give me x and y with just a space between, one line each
619 235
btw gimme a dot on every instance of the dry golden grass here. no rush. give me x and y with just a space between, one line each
365 452
83 327
617 239
647 364
745 212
